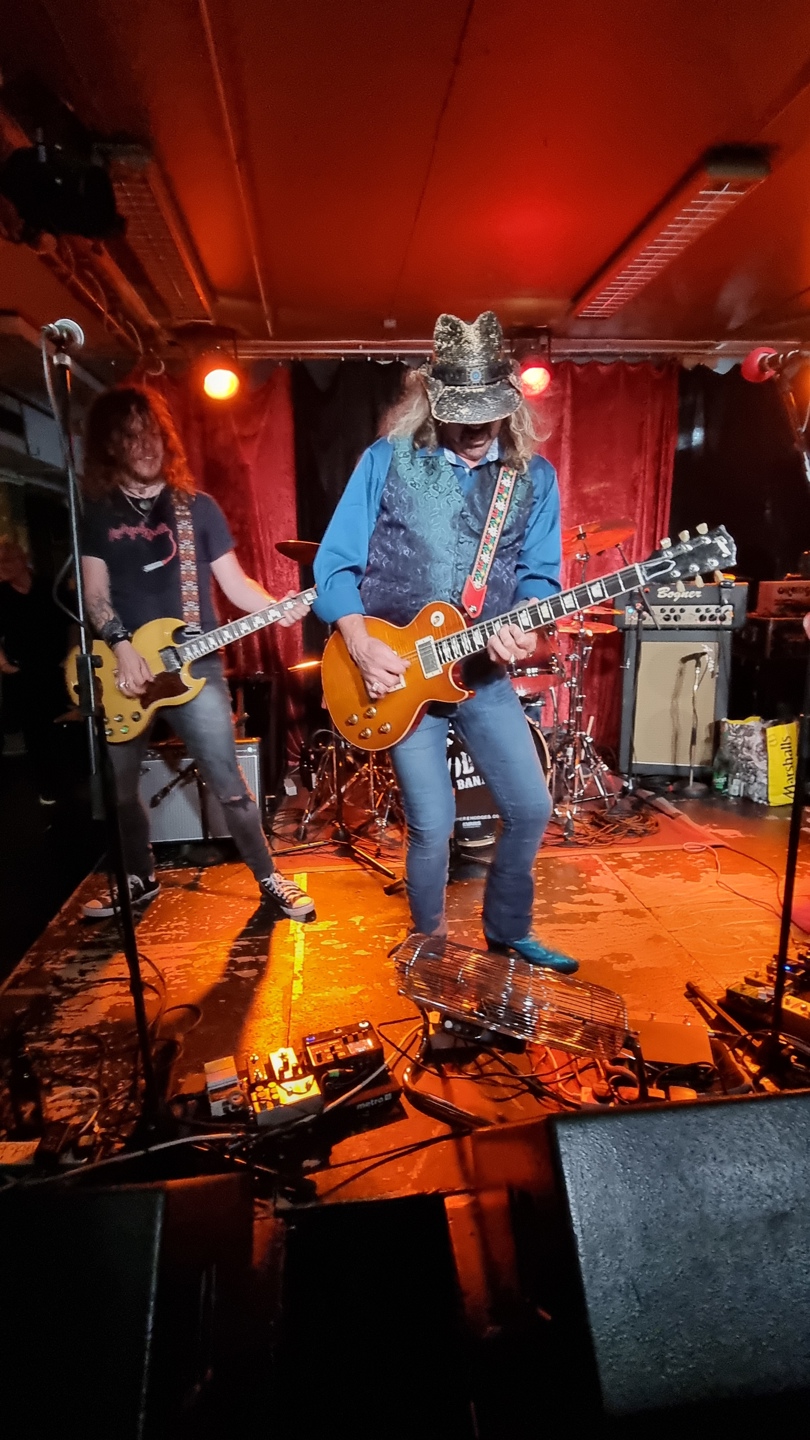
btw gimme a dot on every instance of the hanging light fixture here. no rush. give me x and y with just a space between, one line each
220 381
531 348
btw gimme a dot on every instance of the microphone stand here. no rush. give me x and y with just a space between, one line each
104 800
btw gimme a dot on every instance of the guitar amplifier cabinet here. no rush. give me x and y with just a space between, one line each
658 672
180 807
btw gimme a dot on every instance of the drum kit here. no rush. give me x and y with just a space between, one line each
551 690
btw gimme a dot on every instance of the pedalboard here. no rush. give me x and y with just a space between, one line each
333 1064
752 998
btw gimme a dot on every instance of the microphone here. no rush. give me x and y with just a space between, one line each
64 333
696 655
764 363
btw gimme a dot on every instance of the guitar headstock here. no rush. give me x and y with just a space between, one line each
692 556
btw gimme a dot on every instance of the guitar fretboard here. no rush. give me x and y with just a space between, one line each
552 608
238 629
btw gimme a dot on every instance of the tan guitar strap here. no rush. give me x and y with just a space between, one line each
189 587
475 586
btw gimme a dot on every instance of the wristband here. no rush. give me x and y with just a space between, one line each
113 633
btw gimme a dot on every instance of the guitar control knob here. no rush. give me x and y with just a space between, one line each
124 729
352 719
107 730
136 715
365 734
370 712
386 728
118 719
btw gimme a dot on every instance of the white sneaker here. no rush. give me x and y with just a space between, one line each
291 900
140 893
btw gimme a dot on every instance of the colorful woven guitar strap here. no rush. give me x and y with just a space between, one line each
475 586
189 588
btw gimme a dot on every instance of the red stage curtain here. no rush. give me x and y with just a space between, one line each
242 452
613 431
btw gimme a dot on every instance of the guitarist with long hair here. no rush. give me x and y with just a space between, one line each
150 545
412 527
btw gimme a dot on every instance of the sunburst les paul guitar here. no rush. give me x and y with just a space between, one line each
439 638
169 660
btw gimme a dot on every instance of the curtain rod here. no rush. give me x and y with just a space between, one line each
562 348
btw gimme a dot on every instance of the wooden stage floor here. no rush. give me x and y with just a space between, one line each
641 919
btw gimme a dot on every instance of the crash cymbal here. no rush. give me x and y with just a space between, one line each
302 551
595 538
304 666
589 627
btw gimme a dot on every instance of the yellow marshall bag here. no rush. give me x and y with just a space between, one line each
760 756
781 741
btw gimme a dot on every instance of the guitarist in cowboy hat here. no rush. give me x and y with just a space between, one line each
135 481
408 530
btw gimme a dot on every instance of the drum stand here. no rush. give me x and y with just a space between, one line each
331 785
578 774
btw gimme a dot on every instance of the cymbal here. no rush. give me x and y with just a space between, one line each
595 538
589 627
302 551
304 665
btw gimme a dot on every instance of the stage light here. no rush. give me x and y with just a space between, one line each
221 382
535 376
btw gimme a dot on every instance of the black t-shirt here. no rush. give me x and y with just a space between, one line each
128 541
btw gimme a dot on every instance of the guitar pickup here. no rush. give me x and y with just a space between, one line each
171 659
428 659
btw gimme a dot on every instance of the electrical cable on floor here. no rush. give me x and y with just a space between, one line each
698 848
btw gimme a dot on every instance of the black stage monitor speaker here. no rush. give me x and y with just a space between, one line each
690 1227
120 1306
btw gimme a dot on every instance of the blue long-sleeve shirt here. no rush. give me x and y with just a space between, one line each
342 557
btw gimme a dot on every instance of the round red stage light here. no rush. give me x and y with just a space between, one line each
220 383
535 378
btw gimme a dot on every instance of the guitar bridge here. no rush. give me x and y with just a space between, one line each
428 658
170 658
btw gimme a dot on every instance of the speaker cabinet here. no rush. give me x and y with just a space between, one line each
690 1234
121 1306
657 696
179 806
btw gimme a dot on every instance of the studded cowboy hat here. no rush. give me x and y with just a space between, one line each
470 381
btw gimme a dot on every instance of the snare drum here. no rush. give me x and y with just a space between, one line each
530 682
476 815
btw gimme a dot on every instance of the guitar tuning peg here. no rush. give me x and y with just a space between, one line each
718 577
683 535
699 581
702 529
680 588
665 543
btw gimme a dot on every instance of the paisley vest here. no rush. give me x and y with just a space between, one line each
427 534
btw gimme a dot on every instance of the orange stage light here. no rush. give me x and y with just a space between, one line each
221 383
535 377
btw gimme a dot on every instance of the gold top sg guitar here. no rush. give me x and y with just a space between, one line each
438 638
126 716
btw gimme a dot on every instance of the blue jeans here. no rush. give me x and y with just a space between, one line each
205 725
493 729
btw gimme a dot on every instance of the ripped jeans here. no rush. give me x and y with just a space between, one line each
205 725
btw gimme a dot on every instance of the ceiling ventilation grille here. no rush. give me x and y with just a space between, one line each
705 197
156 236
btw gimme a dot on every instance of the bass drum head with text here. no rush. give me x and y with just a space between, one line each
476 816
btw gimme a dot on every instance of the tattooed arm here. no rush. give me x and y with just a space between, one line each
133 672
